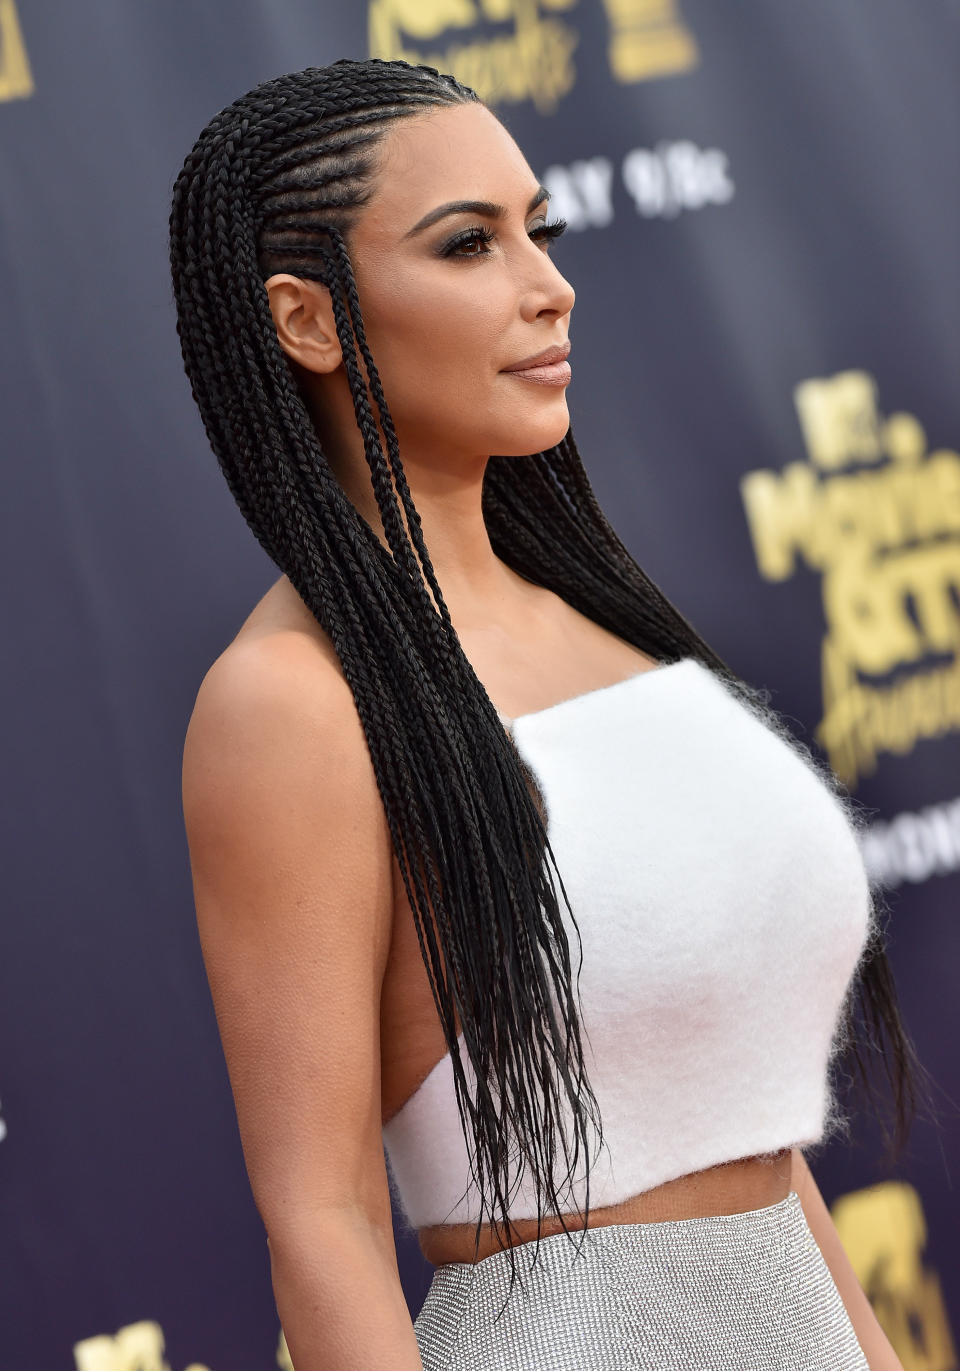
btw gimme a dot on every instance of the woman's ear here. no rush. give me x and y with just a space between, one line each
303 314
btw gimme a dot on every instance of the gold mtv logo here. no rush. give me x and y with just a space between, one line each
15 78
137 1347
840 419
883 1232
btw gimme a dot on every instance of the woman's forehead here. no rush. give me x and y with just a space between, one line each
460 152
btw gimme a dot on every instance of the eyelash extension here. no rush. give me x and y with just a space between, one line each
481 234
550 231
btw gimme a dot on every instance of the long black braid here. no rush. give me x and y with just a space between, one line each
274 183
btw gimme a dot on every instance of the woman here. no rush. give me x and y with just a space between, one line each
418 786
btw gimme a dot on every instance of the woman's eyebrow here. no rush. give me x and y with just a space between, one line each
484 207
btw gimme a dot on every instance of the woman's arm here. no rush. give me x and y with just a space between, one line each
292 863
875 1343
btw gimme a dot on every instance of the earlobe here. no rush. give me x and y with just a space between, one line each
303 316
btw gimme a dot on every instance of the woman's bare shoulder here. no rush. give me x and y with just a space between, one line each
274 709
279 658
281 629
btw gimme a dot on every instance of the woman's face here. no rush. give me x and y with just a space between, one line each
445 310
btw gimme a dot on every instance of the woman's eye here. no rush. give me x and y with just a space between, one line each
459 246
548 232
475 242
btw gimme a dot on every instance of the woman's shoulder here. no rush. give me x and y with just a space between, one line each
281 630
280 800
276 699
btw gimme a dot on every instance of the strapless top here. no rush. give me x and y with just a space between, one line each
723 906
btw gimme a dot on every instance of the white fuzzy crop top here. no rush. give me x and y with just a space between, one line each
723 906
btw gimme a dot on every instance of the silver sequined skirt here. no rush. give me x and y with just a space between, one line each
746 1291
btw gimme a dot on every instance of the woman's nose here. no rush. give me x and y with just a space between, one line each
548 293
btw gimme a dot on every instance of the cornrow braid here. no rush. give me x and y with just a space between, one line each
274 183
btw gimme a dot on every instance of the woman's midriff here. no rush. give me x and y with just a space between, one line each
731 1188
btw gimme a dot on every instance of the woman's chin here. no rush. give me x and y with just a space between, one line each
527 438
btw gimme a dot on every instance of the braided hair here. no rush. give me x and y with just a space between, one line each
274 183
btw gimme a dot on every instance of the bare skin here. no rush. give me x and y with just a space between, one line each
275 741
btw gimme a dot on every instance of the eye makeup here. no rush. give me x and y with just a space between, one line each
481 234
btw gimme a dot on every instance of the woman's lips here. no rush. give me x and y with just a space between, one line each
553 374
549 368
546 368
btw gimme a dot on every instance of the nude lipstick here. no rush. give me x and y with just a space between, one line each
547 368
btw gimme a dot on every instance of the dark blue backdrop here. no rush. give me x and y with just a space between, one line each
768 410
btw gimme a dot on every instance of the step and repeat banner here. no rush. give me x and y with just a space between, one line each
764 212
